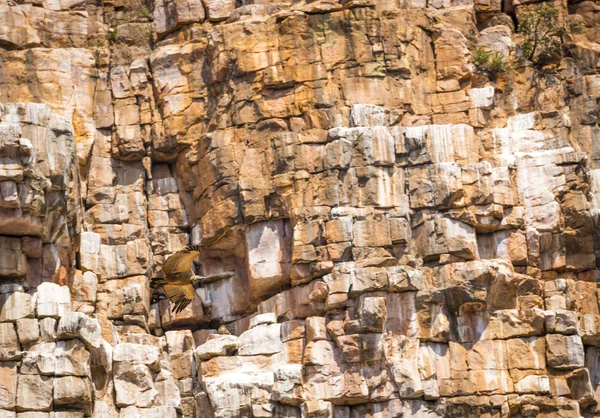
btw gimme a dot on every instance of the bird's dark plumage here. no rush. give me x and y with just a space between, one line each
178 278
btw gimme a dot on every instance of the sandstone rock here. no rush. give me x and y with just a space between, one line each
136 354
34 393
179 341
84 286
73 392
155 412
132 293
8 337
40 360
183 365
218 10
78 325
53 300
47 329
169 14
316 329
134 385
12 262
408 236
526 353
441 236
71 359
8 379
268 254
564 351
266 318
261 340
28 331
14 306
201 336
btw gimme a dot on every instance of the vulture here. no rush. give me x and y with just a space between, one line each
179 279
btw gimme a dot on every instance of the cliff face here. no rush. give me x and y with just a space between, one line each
408 237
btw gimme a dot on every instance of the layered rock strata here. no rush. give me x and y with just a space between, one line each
407 236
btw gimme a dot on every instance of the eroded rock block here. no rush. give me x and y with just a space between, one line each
79 325
16 305
34 392
53 300
8 384
269 247
564 351
445 236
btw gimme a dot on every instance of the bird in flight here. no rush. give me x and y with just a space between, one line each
179 279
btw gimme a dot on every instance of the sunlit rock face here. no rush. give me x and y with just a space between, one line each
402 235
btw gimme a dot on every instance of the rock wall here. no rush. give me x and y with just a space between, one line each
407 236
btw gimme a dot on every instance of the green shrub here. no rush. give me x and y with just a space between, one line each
480 57
544 34
497 64
113 34
489 62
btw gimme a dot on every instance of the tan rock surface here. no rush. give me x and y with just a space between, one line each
387 231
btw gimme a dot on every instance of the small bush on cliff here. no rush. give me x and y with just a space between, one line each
113 34
544 34
489 62
497 64
480 57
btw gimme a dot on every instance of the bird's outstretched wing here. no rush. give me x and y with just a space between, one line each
179 296
181 261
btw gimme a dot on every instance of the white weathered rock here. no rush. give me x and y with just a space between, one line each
136 354
483 97
8 384
268 246
39 360
218 9
52 300
73 392
79 325
179 341
217 345
561 322
156 412
260 319
564 351
47 329
170 14
264 339
367 115
71 359
34 392
14 306
28 331
533 384
134 385
316 328
8 337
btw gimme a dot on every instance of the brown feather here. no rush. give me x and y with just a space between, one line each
179 296
180 262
